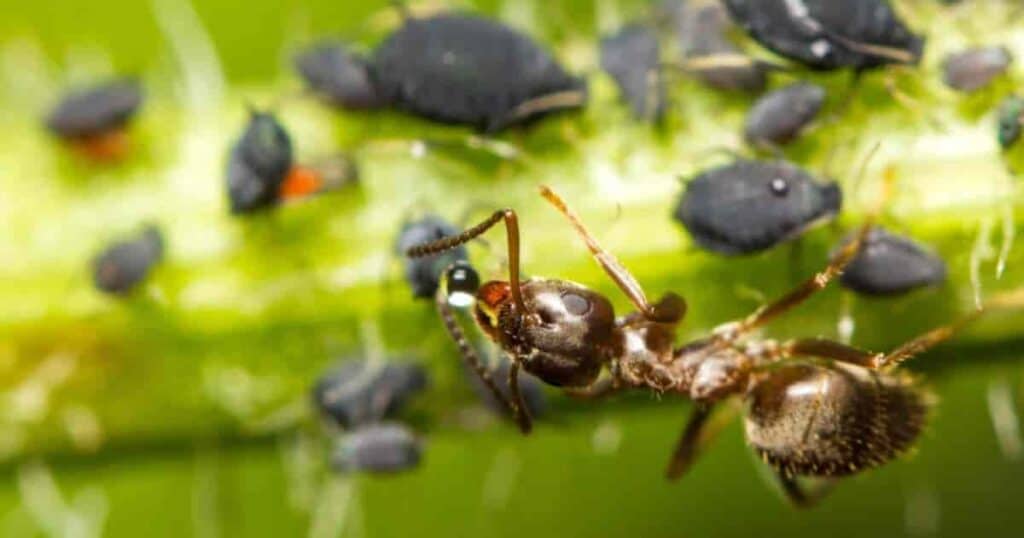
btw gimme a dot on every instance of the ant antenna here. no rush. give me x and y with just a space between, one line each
471 357
511 230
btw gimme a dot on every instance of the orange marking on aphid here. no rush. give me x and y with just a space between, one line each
300 182
107 146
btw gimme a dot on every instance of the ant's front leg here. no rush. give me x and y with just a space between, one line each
519 410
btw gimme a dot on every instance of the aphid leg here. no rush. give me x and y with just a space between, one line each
520 412
670 309
908 102
704 424
540 105
800 496
511 230
470 356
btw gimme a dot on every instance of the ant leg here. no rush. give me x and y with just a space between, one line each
800 496
801 293
806 289
540 105
671 308
511 230
519 410
606 386
828 349
704 424
469 354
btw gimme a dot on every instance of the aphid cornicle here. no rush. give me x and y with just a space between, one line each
813 407
385 448
93 119
749 206
125 264
829 34
424 274
632 57
359 392
780 116
463 69
341 76
973 69
890 264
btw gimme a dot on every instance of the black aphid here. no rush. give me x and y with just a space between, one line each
711 56
632 57
889 264
1011 115
974 69
92 111
463 69
359 392
424 274
529 387
780 116
339 75
377 448
258 164
829 34
750 206
124 264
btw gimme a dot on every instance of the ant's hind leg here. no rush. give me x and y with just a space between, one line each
801 496
704 424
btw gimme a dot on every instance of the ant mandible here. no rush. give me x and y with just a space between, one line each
814 407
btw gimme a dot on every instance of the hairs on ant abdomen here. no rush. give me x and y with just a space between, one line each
813 407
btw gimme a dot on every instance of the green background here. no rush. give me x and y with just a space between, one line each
182 409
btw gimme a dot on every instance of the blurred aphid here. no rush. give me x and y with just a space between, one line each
889 264
261 172
780 116
529 386
339 75
1011 114
360 392
124 264
377 448
93 120
709 53
973 69
424 274
464 69
749 206
829 34
632 57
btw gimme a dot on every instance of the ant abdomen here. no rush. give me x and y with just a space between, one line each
835 420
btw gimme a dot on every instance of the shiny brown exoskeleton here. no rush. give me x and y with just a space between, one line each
813 407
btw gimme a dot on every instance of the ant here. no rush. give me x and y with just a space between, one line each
814 407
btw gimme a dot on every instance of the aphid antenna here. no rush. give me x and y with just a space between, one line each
910 103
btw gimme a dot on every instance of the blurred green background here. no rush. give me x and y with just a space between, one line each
182 410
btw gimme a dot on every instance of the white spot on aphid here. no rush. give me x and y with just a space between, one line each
820 48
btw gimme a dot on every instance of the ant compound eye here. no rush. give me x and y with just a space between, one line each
463 282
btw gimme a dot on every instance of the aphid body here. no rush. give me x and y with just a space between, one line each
829 34
424 274
780 116
360 392
890 264
93 119
749 206
632 57
974 69
385 448
125 264
339 75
